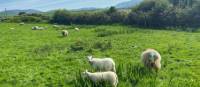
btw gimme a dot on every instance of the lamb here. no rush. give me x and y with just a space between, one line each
37 28
104 64
12 28
151 59
22 23
110 77
41 28
77 29
56 26
65 33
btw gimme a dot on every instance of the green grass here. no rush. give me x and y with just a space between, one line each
31 58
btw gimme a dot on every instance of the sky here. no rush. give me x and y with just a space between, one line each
45 5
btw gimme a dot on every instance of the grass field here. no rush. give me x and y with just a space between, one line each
43 58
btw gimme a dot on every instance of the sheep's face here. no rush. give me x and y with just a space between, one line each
152 58
90 62
151 62
90 59
84 74
63 33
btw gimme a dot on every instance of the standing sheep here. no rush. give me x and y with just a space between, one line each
104 64
35 27
38 28
65 33
12 28
151 59
22 23
77 29
110 77
56 26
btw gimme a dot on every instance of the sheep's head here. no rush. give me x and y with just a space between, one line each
152 58
84 74
89 59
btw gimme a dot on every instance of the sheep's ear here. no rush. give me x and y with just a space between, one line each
89 57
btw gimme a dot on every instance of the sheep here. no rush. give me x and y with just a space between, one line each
104 64
41 28
65 33
22 23
37 28
151 59
77 29
56 26
109 77
12 28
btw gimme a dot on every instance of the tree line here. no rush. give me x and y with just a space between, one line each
149 13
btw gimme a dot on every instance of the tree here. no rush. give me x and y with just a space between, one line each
21 13
111 10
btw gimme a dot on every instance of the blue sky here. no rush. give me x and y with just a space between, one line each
45 5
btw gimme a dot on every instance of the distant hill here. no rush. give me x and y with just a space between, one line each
128 4
85 9
15 12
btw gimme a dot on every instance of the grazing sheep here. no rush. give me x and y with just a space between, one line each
65 33
22 23
151 59
56 26
37 28
104 64
110 77
12 28
41 28
77 29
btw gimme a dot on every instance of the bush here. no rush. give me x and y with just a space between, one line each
28 18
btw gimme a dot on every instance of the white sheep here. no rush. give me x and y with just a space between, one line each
37 28
77 29
41 28
65 33
56 26
22 23
109 77
12 28
102 64
151 59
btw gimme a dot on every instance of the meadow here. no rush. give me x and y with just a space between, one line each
43 58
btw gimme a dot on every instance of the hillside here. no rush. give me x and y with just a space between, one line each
128 4
31 58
